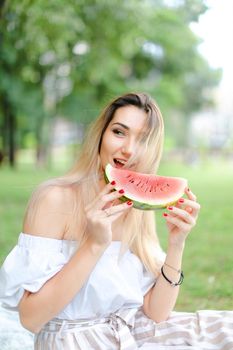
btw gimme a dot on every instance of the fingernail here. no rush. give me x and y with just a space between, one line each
170 208
165 214
121 191
113 182
181 200
129 203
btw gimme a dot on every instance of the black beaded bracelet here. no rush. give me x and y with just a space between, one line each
173 284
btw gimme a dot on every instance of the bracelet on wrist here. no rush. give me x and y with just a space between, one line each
173 268
172 283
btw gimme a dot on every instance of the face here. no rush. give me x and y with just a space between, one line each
119 141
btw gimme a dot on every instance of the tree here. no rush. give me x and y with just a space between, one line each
70 57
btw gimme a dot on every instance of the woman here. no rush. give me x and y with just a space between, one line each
88 271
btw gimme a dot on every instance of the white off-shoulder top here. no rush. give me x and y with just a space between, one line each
112 285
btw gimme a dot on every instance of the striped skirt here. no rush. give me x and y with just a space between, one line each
130 329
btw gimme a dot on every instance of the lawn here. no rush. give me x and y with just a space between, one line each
208 258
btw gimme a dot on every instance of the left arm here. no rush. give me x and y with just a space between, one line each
161 299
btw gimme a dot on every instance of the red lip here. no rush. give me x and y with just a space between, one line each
118 165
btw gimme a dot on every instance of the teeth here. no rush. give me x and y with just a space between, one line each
121 161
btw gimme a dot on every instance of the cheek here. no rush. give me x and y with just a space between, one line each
109 144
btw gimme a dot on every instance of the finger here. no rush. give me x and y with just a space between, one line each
189 210
107 188
183 226
99 202
190 194
111 197
117 209
195 206
117 215
181 214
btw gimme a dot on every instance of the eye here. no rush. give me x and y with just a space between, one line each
118 132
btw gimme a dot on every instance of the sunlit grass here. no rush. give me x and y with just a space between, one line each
208 258
15 189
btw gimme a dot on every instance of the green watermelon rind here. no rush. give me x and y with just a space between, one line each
145 206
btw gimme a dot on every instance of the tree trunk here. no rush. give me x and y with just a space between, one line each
43 142
40 151
9 130
2 4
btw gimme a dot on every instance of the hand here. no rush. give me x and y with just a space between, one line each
102 212
182 218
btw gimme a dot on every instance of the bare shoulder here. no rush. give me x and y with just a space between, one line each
49 212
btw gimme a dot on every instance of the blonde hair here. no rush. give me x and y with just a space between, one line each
139 226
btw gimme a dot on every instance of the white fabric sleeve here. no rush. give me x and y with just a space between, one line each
32 262
147 282
148 279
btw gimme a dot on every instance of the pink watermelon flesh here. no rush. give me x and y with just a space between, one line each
148 192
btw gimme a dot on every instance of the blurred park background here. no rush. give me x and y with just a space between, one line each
61 61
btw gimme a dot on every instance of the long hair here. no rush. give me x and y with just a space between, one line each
139 226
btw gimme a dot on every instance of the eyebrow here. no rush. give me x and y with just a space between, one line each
123 125
143 133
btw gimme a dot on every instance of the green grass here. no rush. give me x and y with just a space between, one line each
15 189
208 258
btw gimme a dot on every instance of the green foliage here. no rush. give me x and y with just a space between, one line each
69 58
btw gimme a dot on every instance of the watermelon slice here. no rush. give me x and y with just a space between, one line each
148 192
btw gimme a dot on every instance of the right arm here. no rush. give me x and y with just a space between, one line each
36 309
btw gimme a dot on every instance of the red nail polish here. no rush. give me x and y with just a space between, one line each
113 182
165 214
170 208
181 200
129 203
121 191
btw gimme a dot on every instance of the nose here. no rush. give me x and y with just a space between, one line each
128 148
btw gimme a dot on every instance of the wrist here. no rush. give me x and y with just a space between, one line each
172 282
176 247
174 256
95 247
